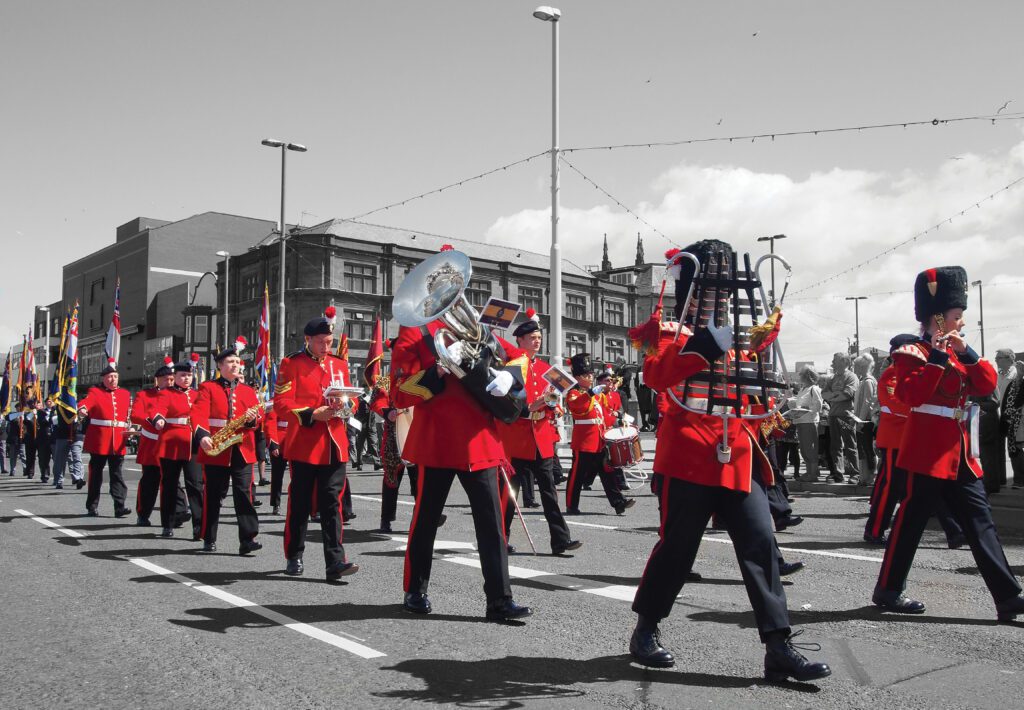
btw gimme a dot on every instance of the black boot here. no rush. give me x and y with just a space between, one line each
896 602
417 603
1009 609
506 609
782 661
645 646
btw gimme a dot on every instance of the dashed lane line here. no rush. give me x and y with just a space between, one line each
350 644
50 524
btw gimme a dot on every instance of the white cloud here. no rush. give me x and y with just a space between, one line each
833 220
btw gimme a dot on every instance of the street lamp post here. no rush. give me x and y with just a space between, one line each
552 15
771 250
981 314
856 318
285 147
227 292
46 369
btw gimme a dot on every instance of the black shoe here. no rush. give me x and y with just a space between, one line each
209 547
377 466
442 520
357 467
182 519
197 533
532 505
873 540
1011 608
142 522
58 486
506 610
263 482
782 661
417 603
624 506
571 545
276 510
896 602
385 527
44 480
314 518
692 576
572 511
341 569
510 549
646 649
789 521
788 568
350 516
294 567
956 541
257 503
121 512
78 484
249 546
92 512
167 532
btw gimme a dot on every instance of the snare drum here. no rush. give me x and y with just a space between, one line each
623 446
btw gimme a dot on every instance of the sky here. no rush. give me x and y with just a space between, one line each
113 110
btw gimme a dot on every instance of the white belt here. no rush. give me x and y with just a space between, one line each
282 425
589 421
947 412
354 423
889 411
177 420
149 434
218 422
107 422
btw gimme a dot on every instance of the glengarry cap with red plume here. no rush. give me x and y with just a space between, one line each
530 325
166 368
235 349
111 367
322 325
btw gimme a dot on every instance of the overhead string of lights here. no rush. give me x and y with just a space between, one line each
752 137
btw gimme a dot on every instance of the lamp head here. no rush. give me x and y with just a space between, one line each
547 14
272 143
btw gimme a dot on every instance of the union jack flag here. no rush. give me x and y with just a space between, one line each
113 344
263 348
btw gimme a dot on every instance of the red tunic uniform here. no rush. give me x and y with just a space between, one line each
935 385
108 412
533 432
146 455
687 442
214 407
588 420
612 405
270 429
174 406
893 415
451 429
301 382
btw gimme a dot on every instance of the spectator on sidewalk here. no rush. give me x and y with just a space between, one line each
1012 423
807 412
840 394
865 409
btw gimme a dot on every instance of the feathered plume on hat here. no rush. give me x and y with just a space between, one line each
331 314
168 361
240 343
111 367
530 325
447 247
194 357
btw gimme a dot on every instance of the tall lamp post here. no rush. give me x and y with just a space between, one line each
856 318
46 369
981 314
227 293
552 15
771 250
285 147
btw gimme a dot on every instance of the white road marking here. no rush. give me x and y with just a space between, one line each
50 524
377 499
452 545
350 644
620 592
820 553
591 525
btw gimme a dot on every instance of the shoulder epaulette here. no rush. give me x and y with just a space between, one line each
913 350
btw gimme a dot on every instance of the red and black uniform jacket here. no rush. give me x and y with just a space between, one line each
301 381
892 417
534 432
588 420
935 384
272 431
108 412
217 403
146 454
174 406
612 405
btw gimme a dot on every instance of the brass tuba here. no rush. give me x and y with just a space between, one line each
435 291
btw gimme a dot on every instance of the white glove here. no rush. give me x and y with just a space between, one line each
675 271
722 335
627 420
455 351
597 389
501 384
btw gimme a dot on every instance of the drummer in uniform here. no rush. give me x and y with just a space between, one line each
221 401
315 444
530 441
589 424
107 406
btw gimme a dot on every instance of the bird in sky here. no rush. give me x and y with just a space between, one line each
1003 107
719 122
754 35
955 157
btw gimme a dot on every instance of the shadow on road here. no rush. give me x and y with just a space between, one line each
798 617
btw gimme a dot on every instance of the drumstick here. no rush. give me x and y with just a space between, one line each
512 496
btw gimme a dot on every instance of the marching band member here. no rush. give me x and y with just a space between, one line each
146 453
274 431
530 440
697 484
935 374
107 407
315 445
221 401
452 435
170 415
589 424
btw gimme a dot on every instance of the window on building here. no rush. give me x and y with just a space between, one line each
532 297
575 343
272 281
478 292
614 350
250 286
359 325
575 306
360 278
250 329
614 313
201 329
625 277
95 290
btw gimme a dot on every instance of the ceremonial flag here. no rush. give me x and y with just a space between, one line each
263 349
5 387
113 345
343 347
67 368
374 356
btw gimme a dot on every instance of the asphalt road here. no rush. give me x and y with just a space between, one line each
100 613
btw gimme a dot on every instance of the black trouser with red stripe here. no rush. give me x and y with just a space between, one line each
389 495
277 466
217 479
118 489
584 465
685 510
329 480
147 492
966 497
889 489
541 470
482 490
